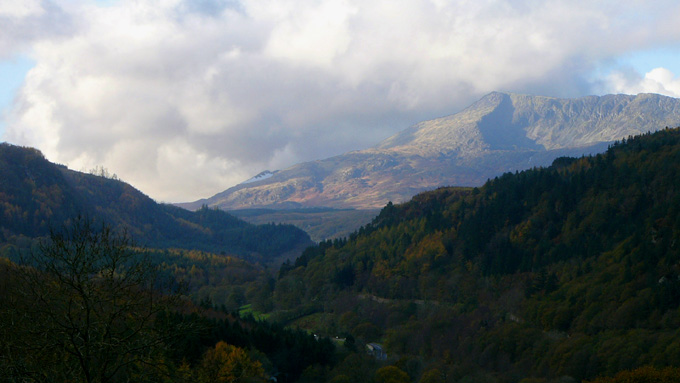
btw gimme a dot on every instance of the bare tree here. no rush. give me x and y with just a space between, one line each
84 308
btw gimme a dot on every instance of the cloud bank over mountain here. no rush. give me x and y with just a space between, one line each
185 98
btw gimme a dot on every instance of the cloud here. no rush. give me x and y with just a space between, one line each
26 21
658 80
185 98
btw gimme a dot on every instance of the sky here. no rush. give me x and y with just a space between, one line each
186 98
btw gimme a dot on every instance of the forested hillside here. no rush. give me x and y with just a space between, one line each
569 272
85 305
36 195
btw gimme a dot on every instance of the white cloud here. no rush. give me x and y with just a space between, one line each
658 80
25 21
185 98
312 33
20 9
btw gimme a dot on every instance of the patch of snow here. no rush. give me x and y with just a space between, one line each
261 176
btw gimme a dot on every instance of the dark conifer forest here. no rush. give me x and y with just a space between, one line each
570 271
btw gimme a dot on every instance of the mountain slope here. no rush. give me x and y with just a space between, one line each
569 272
36 195
499 133
320 223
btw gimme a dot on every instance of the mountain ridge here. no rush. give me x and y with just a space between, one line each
500 132
37 196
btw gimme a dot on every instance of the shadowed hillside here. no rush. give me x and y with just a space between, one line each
36 195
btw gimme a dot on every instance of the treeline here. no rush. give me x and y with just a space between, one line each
571 270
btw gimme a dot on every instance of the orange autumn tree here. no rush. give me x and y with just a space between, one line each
229 364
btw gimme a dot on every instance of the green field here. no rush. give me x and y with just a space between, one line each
246 310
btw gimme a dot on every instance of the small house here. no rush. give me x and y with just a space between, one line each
376 350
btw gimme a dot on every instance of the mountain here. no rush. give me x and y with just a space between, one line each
564 273
37 196
499 133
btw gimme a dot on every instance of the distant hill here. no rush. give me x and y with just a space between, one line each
320 223
36 195
499 133
563 273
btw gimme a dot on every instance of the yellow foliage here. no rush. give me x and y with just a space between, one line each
226 363
391 374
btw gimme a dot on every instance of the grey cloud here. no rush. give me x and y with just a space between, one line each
45 19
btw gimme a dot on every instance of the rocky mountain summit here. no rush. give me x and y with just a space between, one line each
499 133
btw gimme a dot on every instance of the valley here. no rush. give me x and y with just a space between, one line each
320 223
563 272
